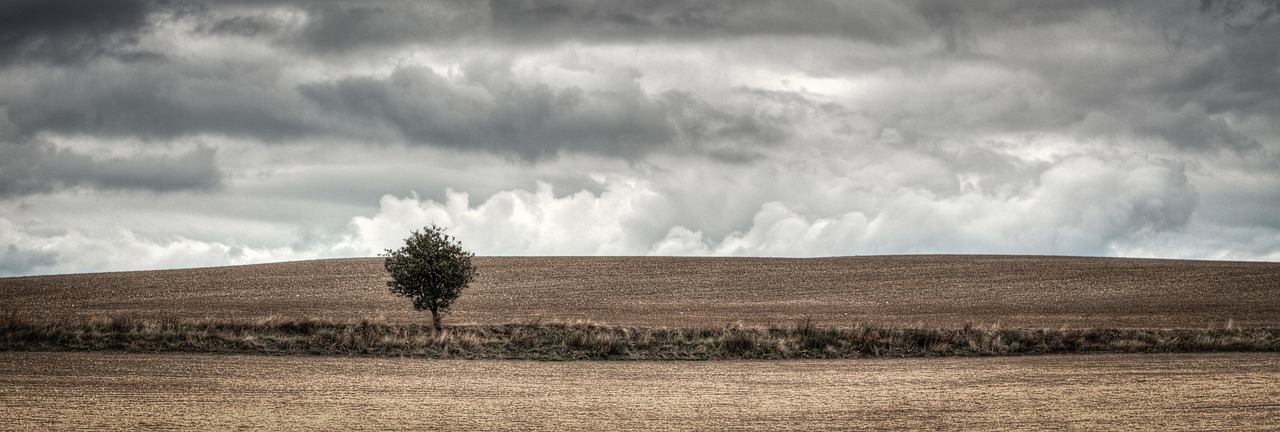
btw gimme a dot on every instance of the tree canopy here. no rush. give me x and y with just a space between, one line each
432 269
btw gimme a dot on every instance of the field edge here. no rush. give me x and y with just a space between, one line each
589 341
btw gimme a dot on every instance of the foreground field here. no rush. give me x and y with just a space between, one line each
726 308
931 291
96 390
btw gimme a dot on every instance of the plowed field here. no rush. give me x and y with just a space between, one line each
106 391
1014 291
178 391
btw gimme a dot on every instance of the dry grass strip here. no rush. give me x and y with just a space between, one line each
588 341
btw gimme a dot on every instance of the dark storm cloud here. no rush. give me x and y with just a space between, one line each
353 25
1214 67
343 26
1247 69
490 108
492 111
155 101
1220 56
242 25
1220 63
70 31
1183 73
523 20
14 261
39 167
339 26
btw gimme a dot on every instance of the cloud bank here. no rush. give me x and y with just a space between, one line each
1072 209
146 134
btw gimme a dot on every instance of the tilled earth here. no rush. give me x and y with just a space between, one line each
181 391
928 290
121 391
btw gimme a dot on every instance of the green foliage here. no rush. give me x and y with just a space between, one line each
431 269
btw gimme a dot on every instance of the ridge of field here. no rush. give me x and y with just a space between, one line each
910 290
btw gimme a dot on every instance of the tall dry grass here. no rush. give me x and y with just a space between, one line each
585 340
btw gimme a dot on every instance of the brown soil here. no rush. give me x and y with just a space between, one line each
1013 291
117 391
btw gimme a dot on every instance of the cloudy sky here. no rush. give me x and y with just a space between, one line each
142 135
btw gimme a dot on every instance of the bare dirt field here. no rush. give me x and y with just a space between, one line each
100 391
929 290
183 391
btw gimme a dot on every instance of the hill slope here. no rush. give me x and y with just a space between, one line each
932 290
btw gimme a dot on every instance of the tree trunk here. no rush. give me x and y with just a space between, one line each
435 318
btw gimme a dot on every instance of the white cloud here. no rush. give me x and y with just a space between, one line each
115 248
520 222
1081 205
778 230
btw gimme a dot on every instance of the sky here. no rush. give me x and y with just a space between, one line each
166 134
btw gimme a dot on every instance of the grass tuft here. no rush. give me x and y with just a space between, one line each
589 341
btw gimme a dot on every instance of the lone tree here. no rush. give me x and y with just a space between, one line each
432 269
